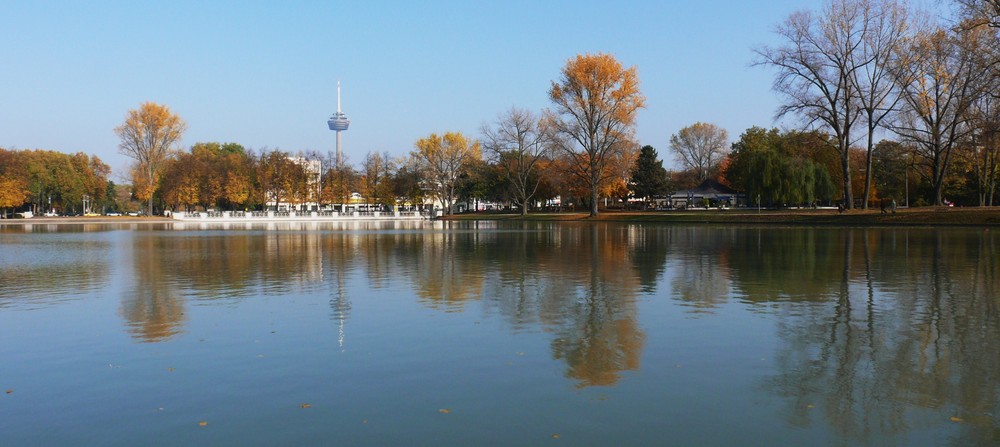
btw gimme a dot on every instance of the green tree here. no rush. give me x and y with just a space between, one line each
649 178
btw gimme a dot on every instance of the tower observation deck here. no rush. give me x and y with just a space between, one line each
338 122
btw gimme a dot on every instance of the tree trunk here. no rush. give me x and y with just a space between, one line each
845 164
868 169
593 200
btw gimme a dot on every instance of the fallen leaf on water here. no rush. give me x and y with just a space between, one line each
444 410
170 370
9 391
305 406
364 421
556 436
810 406
520 353
202 423
956 419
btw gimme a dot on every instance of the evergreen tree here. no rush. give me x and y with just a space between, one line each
649 178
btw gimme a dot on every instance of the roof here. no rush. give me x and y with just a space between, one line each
709 187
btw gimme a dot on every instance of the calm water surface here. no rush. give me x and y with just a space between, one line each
497 334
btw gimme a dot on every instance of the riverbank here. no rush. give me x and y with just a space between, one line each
41 220
924 216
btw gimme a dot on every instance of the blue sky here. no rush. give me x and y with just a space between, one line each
263 74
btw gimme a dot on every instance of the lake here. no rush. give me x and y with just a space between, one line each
497 333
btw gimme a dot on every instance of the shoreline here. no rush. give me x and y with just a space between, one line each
924 216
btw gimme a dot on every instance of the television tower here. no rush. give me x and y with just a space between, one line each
338 122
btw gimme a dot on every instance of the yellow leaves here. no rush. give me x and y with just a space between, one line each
599 82
202 423
13 192
956 419
305 406
444 411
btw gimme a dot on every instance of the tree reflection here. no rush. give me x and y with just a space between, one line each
579 283
898 342
152 309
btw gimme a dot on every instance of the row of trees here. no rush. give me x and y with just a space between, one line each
588 138
853 71
860 67
45 181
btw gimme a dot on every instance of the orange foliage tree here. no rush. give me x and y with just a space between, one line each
596 101
147 136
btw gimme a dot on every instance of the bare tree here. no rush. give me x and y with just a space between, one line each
878 92
700 147
596 103
816 71
517 144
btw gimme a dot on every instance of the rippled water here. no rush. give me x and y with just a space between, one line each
497 334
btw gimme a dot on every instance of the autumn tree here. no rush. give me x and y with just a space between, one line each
406 182
700 147
517 144
148 136
983 151
980 12
649 178
444 159
940 82
339 181
376 178
816 69
280 179
13 193
596 101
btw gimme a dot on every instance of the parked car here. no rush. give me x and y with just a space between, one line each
114 214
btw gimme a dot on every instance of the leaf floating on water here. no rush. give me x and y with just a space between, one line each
9 391
956 419
444 410
202 423
305 406
520 353
556 436
170 370
810 406
364 421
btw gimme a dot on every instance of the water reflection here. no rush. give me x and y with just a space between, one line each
38 272
909 332
151 304
876 332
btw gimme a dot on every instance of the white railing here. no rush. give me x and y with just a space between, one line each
299 215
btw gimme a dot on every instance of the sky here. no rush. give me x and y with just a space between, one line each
264 73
